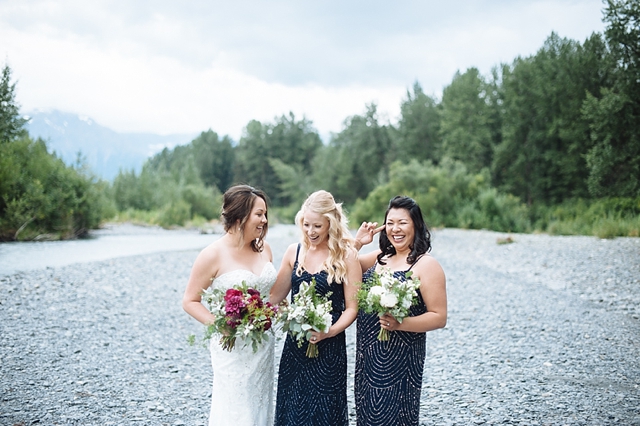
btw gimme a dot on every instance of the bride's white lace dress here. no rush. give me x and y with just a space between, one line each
243 380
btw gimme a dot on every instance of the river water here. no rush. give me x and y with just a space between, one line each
110 242
120 240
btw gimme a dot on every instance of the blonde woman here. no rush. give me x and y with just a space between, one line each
313 391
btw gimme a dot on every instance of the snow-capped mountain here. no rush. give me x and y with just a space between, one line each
105 150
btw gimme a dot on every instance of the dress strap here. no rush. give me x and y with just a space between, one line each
297 252
419 257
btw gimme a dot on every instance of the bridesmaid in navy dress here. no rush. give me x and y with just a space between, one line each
313 391
388 377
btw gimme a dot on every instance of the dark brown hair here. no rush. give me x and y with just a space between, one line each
237 203
421 237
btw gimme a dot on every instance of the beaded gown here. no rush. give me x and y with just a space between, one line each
313 391
388 375
242 393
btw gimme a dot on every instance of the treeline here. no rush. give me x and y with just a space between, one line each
549 142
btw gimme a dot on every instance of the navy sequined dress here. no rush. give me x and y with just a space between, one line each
313 391
388 376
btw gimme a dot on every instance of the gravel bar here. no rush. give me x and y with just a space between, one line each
541 331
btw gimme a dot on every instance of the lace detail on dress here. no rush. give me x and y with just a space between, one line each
242 391
262 282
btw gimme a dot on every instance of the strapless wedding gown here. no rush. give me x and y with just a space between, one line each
242 392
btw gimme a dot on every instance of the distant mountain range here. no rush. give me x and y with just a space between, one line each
105 150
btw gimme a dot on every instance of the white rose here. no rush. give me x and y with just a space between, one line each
298 313
388 300
387 280
376 291
327 320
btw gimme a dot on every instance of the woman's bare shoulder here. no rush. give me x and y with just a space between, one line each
210 256
427 265
291 250
267 251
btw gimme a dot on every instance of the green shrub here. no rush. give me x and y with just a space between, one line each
448 196
604 218
166 194
138 217
205 202
174 214
283 214
41 197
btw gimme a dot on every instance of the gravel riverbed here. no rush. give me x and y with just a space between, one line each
542 331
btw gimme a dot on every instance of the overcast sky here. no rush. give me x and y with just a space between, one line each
186 66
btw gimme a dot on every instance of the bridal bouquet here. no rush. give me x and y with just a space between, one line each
385 294
308 312
239 312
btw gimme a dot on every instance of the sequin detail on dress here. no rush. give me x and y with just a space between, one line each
313 391
388 375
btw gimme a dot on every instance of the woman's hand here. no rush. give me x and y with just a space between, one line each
389 322
366 232
317 336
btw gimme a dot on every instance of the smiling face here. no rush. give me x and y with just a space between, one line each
315 228
254 226
400 229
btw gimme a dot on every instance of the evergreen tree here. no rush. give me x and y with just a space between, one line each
541 157
357 159
11 123
215 159
293 142
613 113
418 128
466 117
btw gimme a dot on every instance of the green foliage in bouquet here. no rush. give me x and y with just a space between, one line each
308 312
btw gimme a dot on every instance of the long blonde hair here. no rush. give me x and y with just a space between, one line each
340 242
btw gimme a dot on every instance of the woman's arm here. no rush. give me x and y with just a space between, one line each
282 286
202 273
354 277
368 260
434 293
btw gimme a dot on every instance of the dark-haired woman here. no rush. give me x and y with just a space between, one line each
242 391
388 376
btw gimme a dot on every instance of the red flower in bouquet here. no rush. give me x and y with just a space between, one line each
239 312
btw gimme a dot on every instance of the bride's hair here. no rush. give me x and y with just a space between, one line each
237 204
340 241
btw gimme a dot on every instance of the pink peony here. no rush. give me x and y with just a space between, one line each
234 306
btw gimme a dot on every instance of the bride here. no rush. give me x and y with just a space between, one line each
242 380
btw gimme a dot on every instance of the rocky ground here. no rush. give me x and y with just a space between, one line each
542 331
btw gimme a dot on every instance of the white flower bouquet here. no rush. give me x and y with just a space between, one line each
308 312
385 294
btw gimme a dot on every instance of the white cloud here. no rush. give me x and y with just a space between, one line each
169 67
